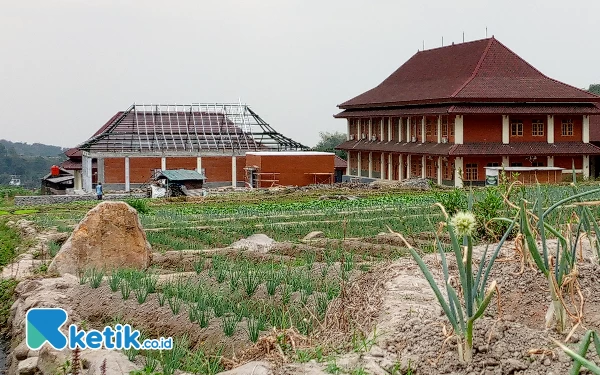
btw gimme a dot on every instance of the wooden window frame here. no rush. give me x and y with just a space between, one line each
471 172
516 128
567 128
537 164
537 128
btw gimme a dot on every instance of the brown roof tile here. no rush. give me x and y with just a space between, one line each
483 70
405 147
339 162
525 148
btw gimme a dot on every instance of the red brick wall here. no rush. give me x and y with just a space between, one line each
292 169
528 129
577 129
567 161
481 128
189 163
140 170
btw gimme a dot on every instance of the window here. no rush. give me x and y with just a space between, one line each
567 128
448 170
451 125
445 127
537 164
435 130
516 128
471 172
516 164
493 165
537 128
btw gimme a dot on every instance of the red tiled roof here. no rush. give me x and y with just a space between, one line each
500 109
74 165
75 153
525 148
339 162
482 70
409 148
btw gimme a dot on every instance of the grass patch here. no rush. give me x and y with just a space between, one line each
9 240
4 213
7 291
25 212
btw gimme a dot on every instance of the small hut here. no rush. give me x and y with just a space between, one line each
181 182
57 181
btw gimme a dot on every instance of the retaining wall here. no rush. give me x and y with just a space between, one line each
37 200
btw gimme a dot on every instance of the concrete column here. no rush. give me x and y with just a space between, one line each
348 133
423 135
348 166
586 166
505 129
458 165
550 161
408 135
400 129
383 171
233 171
359 129
423 167
458 130
100 164
127 186
199 164
505 161
370 165
370 129
78 184
400 168
550 129
390 127
163 163
439 129
381 132
390 167
408 167
439 167
86 173
359 169
586 129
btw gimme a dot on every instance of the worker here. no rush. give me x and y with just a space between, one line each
99 191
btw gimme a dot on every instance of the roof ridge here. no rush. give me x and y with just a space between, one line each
476 70
455 44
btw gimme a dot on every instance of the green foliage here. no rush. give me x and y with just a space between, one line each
30 162
141 205
595 88
9 240
329 141
7 289
490 205
454 201
579 356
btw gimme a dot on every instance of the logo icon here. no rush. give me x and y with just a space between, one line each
43 325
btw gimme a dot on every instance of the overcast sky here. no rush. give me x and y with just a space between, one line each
67 66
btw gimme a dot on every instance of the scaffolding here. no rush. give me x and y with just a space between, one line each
193 128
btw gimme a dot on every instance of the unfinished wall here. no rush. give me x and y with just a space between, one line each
293 169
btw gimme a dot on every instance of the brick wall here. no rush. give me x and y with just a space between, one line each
293 169
480 128
577 129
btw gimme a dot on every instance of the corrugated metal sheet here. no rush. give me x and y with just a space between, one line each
181 175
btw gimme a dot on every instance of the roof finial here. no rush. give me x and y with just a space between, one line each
423 44
486 32
463 36
442 40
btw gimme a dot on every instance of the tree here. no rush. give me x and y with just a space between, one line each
595 88
329 141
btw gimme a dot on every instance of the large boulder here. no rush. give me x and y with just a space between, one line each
109 236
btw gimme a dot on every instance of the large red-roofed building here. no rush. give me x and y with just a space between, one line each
450 112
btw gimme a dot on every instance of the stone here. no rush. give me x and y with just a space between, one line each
109 236
21 352
250 368
376 351
260 243
28 366
314 234
116 362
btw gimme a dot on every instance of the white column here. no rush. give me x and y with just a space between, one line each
86 173
550 129
199 164
586 129
586 166
78 180
233 171
370 129
359 169
127 187
400 168
100 163
348 134
390 168
348 166
400 129
458 130
423 135
370 165
390 127
423 167
439 167
505 129
163 163
408 167
382 173
359 129
505 161
550 161
439 129
381 132
458 165
408 135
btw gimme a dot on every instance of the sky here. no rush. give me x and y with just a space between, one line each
67 66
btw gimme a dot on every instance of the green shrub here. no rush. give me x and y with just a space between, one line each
9 240
7 289
140 205
454 201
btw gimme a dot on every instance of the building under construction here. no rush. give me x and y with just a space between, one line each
212 139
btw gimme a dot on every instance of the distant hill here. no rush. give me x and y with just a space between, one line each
595 88
30 161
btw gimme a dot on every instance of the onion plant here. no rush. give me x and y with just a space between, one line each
579 356
467 304
96 275
114 280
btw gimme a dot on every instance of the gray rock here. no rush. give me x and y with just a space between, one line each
250 368
260 243
312 235
28 366
21 352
